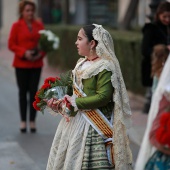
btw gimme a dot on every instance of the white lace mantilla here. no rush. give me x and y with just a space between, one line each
122 112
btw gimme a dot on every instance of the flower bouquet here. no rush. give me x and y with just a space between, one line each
48 41
55 87
163 132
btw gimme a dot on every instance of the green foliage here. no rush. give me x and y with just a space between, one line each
127 46
45 45
65 80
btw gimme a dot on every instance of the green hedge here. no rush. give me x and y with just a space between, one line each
127 49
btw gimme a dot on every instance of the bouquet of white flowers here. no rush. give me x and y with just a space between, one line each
48 41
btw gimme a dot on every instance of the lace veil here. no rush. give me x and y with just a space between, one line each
105 50
146 149
122 111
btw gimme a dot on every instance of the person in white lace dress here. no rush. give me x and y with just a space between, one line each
78 144
153 155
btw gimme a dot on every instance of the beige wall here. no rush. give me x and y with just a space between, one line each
9 15
143 10
122 7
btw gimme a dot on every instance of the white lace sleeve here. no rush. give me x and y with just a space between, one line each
73 102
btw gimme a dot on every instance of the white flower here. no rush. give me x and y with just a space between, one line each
55 45
42 31
56 40
50 37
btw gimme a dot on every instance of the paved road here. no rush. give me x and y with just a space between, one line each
30 151
18 151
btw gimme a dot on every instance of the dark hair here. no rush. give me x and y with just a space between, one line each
88 29
159 56
22 5
163 7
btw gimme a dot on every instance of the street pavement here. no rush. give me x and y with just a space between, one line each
30 151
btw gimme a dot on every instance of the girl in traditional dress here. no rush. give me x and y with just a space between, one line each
95 137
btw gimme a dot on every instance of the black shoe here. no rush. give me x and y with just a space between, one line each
33 130
23 130
146 108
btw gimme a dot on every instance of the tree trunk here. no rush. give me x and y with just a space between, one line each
129 15
65 11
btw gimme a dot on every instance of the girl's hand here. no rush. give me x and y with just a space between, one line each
51 103
68 98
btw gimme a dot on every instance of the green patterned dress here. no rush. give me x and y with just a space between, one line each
95 156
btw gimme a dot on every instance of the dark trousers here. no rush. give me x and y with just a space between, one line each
27 81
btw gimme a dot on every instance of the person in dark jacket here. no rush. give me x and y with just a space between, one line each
157 32
28 60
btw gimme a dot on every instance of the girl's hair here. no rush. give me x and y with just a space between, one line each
163 7
88 29
159 56
22 5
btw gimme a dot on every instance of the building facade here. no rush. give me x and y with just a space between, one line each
106 12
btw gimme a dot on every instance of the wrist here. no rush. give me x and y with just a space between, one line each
73 102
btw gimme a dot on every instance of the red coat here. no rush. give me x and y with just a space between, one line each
22 39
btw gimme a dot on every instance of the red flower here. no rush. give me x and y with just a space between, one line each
45 86
37 99
50 79
35 106
163 132
57 78
37 93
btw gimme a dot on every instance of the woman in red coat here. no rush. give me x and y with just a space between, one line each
28 60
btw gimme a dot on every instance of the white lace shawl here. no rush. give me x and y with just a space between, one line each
122 152
146 149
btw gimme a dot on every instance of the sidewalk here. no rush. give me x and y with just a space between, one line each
136 101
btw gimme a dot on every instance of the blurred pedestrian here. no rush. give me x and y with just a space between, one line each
95 136
28 59
159 56
154 152
154 33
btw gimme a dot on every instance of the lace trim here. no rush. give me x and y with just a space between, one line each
73 102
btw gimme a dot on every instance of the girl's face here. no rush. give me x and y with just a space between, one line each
82 43
28 12
165 18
